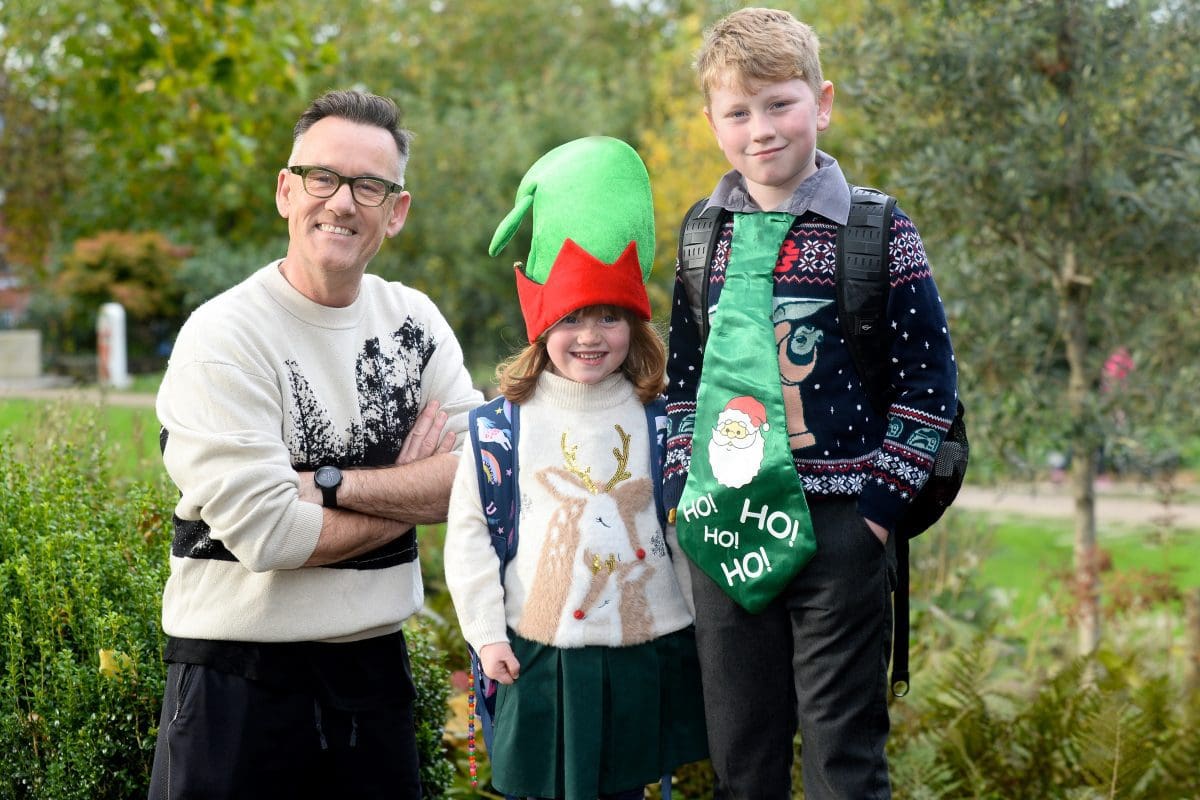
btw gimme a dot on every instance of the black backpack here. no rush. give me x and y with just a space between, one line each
862 293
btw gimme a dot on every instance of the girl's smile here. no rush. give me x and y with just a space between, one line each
588 345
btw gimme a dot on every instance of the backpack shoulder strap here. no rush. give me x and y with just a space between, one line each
697 241
494 427
656 428
862 288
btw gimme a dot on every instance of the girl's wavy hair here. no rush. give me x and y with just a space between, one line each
644 366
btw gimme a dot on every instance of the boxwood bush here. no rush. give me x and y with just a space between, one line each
83 559
81 572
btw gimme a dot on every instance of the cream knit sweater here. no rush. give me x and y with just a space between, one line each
592 565
263 383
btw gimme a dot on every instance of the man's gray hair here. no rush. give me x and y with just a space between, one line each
360 107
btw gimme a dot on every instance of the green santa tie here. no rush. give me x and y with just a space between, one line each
743 518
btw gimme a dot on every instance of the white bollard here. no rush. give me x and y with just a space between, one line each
110 347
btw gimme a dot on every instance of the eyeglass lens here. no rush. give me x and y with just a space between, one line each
324 183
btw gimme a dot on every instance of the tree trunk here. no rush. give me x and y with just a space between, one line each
1074 294
1074 290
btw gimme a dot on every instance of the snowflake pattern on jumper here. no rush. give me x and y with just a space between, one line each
856 451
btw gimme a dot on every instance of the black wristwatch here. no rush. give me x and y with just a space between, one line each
328 479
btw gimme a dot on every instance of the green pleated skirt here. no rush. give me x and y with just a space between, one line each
581 722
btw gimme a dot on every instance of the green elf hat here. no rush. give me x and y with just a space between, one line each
593 232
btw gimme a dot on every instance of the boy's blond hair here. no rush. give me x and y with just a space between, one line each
644 366
756 46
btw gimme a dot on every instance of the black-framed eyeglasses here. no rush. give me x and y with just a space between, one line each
367 190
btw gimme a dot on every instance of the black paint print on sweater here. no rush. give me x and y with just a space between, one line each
388 374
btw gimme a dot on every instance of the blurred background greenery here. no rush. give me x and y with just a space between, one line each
1047 150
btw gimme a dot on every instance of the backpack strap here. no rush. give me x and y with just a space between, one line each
697 241
494 428
863 285
862 289
900 619
656 427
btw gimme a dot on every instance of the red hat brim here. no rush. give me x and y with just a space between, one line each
578 280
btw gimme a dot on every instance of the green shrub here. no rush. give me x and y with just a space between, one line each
433 695
83 559
139 270
215 264
994 716
81 572
1110 726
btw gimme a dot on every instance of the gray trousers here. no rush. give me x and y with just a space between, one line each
816 656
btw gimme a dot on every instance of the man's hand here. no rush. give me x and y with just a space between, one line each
499 662
425 439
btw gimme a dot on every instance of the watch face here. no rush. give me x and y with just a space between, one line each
328 477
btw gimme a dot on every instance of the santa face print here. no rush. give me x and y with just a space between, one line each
736 449
588 345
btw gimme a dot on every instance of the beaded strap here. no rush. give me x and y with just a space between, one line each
471 765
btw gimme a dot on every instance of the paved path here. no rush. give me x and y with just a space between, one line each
1117 504
79 394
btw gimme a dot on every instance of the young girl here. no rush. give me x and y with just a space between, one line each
586 630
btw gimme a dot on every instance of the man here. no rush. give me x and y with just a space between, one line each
303 414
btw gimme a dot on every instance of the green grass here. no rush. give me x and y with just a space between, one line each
146 384
1030 557
129 435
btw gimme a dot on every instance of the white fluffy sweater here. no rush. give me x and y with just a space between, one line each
592 565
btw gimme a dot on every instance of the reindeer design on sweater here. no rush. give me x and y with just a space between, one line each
590 582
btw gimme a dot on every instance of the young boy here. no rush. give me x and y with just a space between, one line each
787 509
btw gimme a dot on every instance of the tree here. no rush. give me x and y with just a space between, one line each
174 117
138 116
677 145
1051 148
137 270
